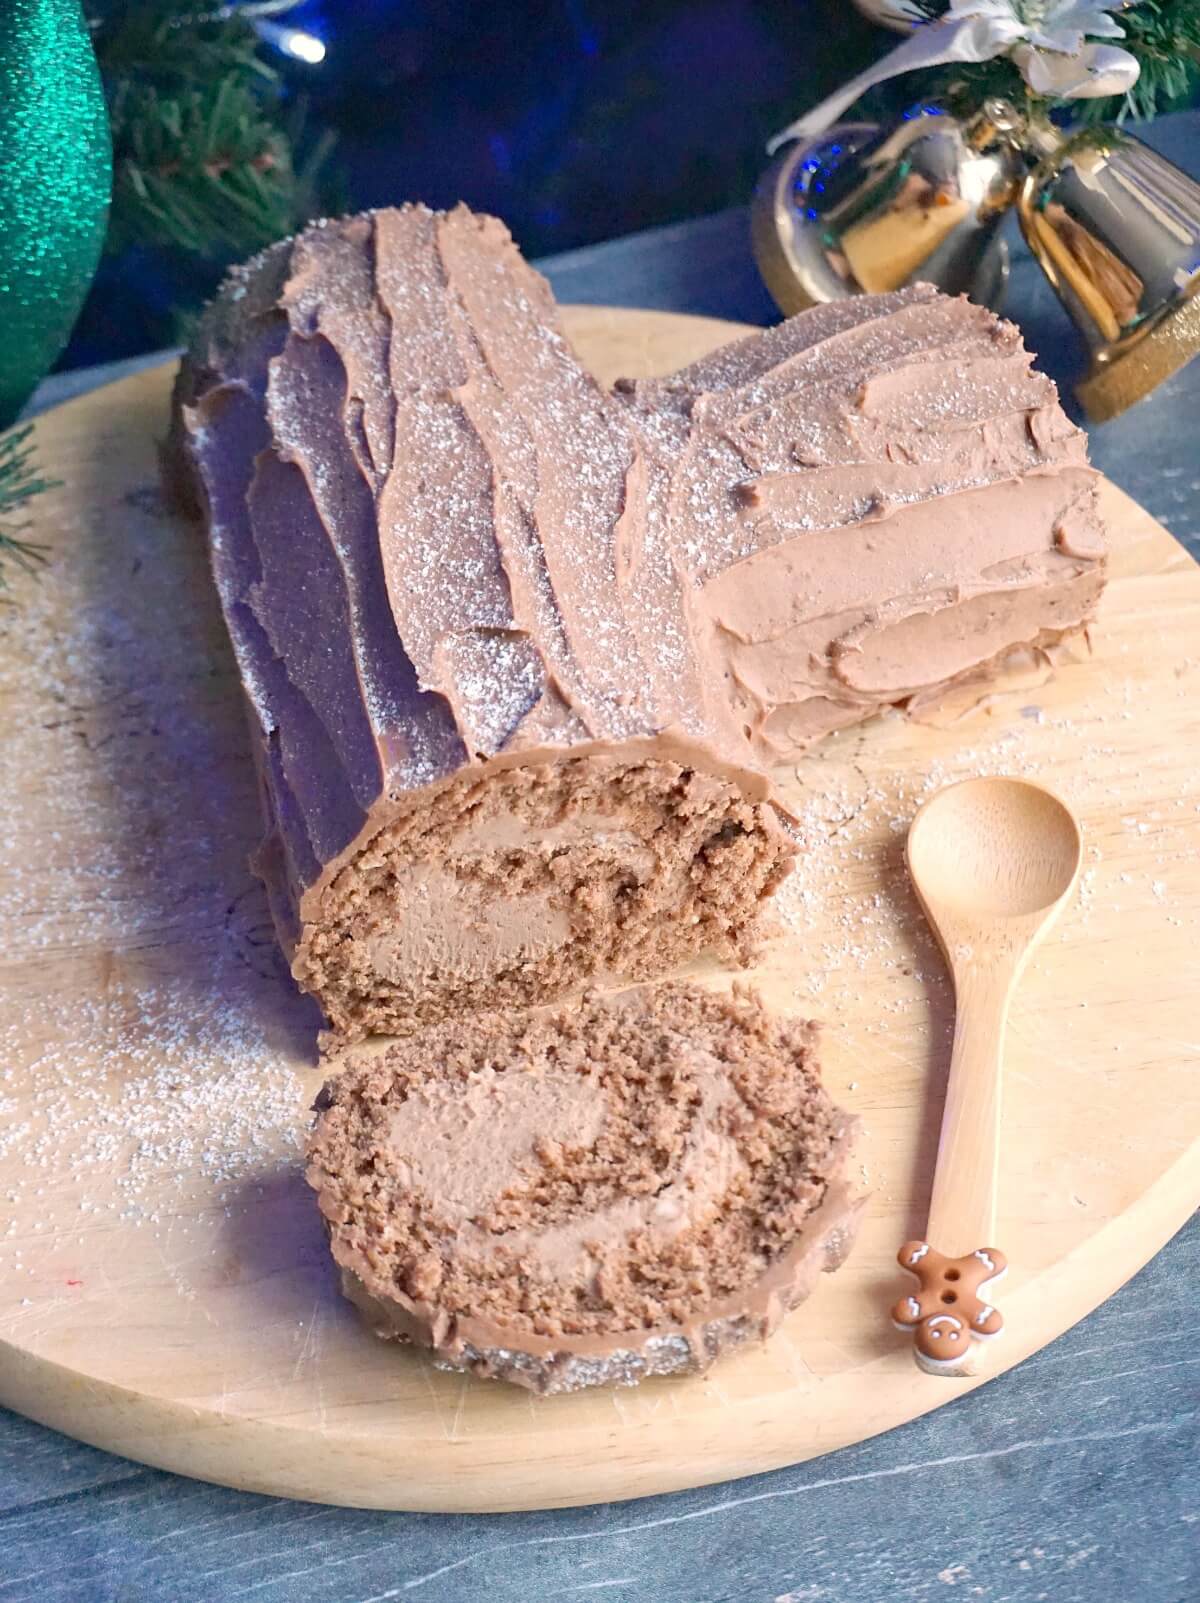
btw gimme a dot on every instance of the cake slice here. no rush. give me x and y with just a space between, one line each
586 1196
520 652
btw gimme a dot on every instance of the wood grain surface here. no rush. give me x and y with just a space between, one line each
164 1284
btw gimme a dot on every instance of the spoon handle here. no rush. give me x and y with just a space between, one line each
962 1207
955 1267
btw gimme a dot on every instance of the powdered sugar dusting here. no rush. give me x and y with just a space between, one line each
136 1103
149 1037
849 903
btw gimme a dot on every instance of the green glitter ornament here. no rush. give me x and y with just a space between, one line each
55 182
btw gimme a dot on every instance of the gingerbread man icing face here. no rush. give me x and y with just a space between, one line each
948 1310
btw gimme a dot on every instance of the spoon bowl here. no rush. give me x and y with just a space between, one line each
993 848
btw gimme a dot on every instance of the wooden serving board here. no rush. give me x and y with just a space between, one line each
164 1284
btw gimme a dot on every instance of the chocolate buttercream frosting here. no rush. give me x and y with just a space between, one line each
520 651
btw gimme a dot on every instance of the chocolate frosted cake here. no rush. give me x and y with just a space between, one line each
588 1196
520 650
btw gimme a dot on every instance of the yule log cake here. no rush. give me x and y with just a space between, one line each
520 651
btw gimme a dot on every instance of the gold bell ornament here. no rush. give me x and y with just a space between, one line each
850 208
864 208
1116 228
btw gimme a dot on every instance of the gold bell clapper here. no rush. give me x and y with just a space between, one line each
1116 229
863 208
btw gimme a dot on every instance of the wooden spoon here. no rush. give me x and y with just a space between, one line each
993 862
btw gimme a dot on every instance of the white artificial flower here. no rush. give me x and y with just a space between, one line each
1049 42
1001 16
1087 74
1065 24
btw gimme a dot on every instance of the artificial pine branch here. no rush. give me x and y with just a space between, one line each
1164 35
19 483
203 157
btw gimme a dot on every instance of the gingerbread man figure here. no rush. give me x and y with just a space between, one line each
948 1311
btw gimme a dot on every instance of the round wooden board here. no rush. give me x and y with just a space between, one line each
164 1284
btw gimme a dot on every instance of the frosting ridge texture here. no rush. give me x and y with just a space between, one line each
444 550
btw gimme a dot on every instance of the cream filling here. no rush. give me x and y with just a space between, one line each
509 831
569 1251
468 1144
440 924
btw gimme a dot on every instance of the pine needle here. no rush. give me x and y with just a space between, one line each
19 483
1164 35
205 157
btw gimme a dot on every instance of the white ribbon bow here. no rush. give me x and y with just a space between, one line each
1047 39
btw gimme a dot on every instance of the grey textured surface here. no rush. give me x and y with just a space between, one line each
1073 1479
